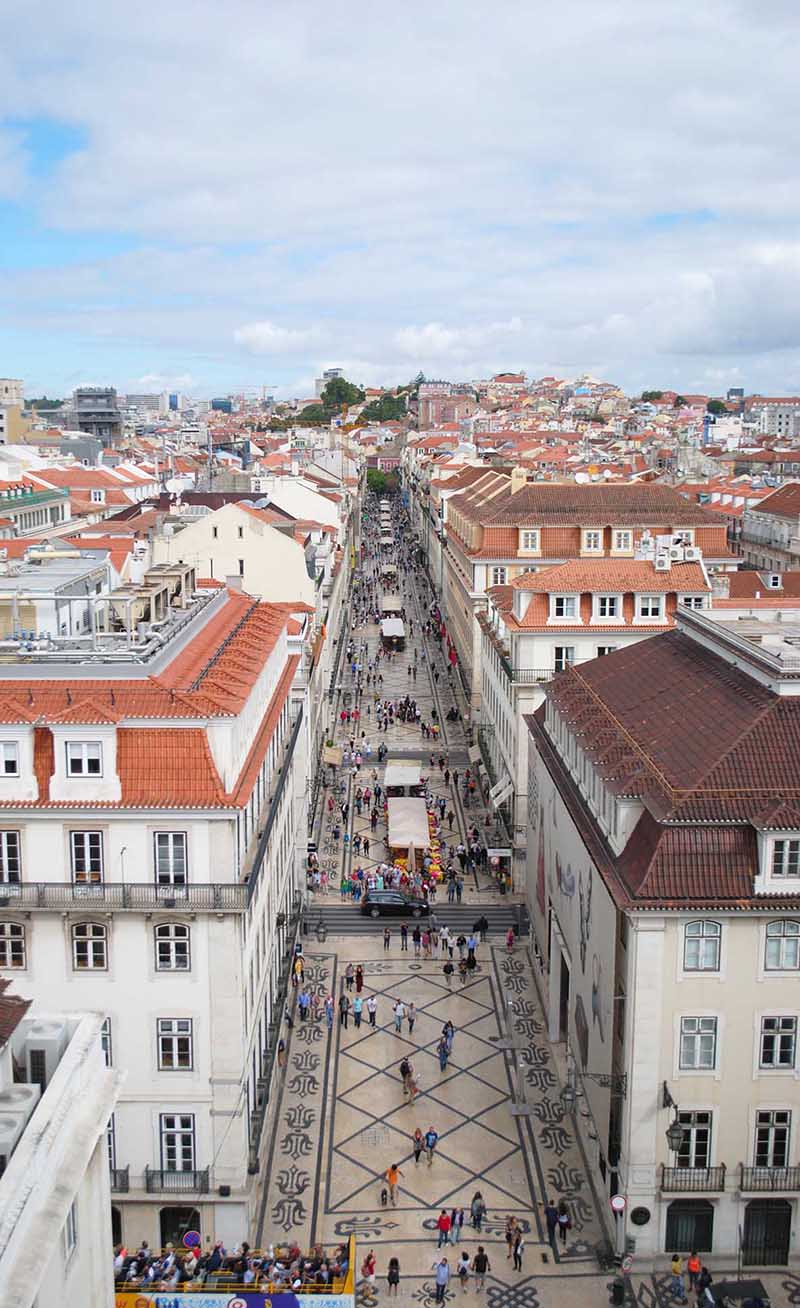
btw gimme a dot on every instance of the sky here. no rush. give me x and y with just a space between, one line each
211 197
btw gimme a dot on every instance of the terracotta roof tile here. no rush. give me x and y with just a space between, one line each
614 575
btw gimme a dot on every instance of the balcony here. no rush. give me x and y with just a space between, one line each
120 1180
771 1180
162 1181
692 1180
132 897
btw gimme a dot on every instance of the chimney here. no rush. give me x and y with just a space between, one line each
519 478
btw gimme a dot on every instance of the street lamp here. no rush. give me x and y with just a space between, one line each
674 1131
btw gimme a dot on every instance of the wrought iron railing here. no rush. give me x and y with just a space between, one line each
120 1180
769 1179
126 896
693 1180
162 1180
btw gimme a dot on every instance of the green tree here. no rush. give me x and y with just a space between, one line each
389 408
42 402
716 406
339 391
377 481
651 396
679 402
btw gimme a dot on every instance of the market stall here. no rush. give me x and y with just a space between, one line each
393 633
391 605
403 780
408 831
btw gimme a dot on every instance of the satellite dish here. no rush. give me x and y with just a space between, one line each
582 478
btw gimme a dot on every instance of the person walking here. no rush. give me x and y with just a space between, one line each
357 1007
462 1268
403 938
510 940
477 1210
399 1014
304 1003
480 1266
693 1266
511 1231
392 1175
442 1270
387 937
519 1245
411 1014
393 1277
448 970
417 1145
372 1008
349 976
359 979
431 1140
456 1225
368 1268
443 1227
564 1221
344 1010
443 1053
551 1218
676 1286
416 937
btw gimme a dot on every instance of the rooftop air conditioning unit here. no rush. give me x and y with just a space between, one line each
48 1038
676 553
662 563
692 554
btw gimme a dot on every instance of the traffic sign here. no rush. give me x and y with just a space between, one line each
192 1239
618 1204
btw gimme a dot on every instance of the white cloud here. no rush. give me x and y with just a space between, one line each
267 338
434 341
160 381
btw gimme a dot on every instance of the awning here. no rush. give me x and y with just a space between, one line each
408 823
387 540
402 774
388 568
393 627
391 603
332 754
475 754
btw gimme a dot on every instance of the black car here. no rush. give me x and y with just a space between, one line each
377 903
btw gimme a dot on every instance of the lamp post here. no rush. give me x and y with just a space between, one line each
674 1132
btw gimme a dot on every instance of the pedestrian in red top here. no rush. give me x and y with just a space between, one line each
443 1227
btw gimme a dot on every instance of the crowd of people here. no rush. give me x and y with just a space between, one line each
269 1271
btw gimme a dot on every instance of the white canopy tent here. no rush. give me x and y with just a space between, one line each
402 774
408 824
393 627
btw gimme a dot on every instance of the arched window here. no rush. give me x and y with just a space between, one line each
89 947
701 944
782 953
12 944
173 947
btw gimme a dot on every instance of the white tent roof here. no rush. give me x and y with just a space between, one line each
392 627
408 823
388 567
391 602
402 774
387 540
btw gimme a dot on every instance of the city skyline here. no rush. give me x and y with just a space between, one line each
209 201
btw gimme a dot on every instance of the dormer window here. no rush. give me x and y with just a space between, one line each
592 541
651 606
775 581
607 606
563 606
84 758
623 540
529 539
9 758
98 497
786 858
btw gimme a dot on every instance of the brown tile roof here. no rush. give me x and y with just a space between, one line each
614 575
12 1010
564 504
785 501
745 584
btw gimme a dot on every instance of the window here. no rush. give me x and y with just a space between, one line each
683 536
214 532
592 541
499 576
607 606
529 540
695 1150
241 532
174 1044
170 858
692 601
98 496
778 1040
89 947
701 941
775 581
623 540
698 1043
602 650
773 1128
84 758
9 758
12 945
241 567
86 849
783 946
69 1233
177 1142
786 858
105 1040
565 655
563 606
10 863
172 947
111 1144
650 606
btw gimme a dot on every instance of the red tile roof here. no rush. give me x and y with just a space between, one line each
785 502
